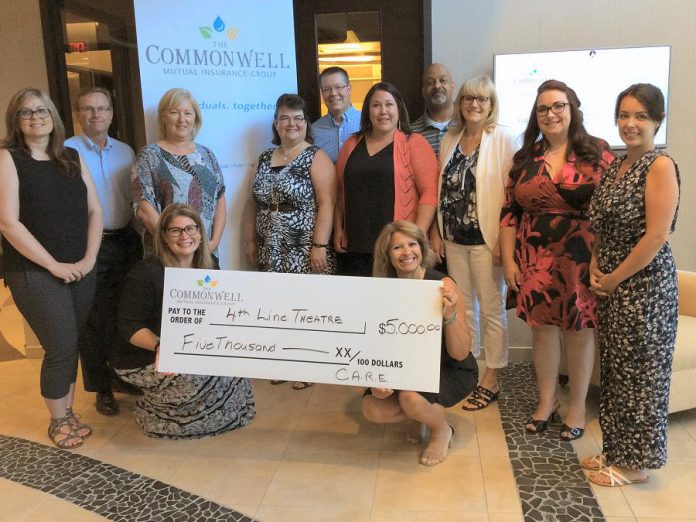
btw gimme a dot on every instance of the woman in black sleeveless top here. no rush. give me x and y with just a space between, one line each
51 224
401 251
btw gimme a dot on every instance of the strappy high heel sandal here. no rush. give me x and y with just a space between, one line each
569 433
541 425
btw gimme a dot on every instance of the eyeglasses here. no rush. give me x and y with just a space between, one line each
27 114
333 88
480 99
287 119
95 110
191 230
556 108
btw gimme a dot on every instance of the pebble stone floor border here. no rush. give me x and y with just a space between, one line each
550 481
109 491
551 484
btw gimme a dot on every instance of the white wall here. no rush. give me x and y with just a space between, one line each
467 33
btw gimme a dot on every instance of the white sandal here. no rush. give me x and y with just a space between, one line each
594 463
616 478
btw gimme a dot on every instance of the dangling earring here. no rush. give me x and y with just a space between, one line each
398 124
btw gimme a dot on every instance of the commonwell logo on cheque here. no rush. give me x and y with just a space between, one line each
204 291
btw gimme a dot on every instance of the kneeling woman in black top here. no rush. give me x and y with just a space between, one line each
173 405
400 251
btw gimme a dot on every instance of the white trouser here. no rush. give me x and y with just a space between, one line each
483 284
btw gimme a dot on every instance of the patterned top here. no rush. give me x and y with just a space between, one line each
458 199
284 235
554 241
162 178
618 209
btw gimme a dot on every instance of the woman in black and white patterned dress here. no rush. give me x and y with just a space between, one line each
294 191
294 194
633 211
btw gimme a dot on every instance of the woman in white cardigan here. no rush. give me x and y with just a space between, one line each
475 158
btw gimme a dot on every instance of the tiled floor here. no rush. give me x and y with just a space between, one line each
309 456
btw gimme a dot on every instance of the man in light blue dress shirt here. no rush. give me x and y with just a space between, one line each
331 131
110 162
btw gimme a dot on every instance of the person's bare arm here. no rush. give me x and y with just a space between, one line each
323 176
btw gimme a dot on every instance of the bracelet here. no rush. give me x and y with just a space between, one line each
320 245
452 318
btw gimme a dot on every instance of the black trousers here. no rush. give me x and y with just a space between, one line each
57 312
117 255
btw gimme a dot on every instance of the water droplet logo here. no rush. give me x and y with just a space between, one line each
219 25
207 281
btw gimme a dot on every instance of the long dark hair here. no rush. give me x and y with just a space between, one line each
15 137
587 149
366 125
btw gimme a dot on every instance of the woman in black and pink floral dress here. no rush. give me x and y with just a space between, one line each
546 245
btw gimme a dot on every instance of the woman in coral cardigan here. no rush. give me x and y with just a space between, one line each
385 174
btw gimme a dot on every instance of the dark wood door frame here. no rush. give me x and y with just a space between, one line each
120 18
406 45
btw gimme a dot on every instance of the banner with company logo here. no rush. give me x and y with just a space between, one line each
382 333
236 58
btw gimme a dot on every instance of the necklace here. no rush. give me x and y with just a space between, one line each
549 152
289 154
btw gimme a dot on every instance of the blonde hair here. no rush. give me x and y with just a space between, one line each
15 137
173 98
382 266
201 258
476 86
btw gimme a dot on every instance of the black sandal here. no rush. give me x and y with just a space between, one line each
541 425
479 399
572 433
56 430
77 425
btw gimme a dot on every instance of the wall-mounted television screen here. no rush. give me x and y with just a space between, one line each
596 75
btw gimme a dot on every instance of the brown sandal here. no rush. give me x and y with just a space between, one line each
83 430
57 429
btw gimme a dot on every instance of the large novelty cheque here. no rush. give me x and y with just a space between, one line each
338 330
